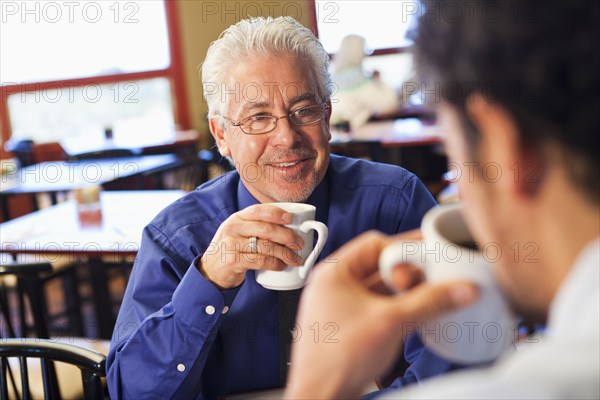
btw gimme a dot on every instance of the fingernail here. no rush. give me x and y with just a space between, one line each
463 294
287 217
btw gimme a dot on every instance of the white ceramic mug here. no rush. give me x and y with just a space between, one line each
303 223
476 334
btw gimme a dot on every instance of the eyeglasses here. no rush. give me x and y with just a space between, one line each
262 123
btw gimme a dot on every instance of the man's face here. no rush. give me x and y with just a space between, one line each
286 164
494 216
471 188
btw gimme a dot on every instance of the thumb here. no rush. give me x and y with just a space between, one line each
426 300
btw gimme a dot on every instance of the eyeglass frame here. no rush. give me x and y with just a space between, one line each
277 118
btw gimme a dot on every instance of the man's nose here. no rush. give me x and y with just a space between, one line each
285 133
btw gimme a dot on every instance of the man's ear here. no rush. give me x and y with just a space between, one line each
327 118
218 132
506 159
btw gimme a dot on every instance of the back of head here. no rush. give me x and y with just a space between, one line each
261 37
538 60
350 53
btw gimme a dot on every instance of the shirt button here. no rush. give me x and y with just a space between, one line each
210 310
225 309
180 367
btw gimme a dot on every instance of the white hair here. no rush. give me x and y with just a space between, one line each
261 37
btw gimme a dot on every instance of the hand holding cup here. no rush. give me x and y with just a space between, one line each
303 224
479 333
254 238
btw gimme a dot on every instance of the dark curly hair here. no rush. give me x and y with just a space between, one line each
539 60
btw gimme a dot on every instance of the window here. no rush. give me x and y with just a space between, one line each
383 24
52 114
76 68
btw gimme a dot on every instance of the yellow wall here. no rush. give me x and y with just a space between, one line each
201 22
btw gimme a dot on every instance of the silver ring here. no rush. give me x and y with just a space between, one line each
253 244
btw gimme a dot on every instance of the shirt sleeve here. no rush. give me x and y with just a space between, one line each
422 362
416 201
166 326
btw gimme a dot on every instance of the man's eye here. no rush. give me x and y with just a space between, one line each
303 112
260 118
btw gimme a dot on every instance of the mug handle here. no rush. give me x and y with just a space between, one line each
322 233
395 254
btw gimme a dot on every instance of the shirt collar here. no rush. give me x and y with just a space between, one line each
245 199
577 301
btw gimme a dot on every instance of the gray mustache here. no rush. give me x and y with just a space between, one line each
279 156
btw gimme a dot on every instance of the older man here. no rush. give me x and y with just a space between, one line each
531 110
194 323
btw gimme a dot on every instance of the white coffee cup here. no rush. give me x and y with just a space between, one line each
476 334
303 223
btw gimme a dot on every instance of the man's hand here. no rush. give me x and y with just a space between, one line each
229 256
369 323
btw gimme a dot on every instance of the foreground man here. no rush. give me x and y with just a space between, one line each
530 107
194 322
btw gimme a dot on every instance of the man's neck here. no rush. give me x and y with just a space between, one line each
567 222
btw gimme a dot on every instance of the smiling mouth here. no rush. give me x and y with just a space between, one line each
287 164
292 169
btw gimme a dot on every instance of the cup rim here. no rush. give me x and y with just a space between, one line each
431 221
296 207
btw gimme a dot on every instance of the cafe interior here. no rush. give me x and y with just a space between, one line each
103 124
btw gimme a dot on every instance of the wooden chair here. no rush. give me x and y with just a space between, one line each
52 151
192 171
22 150
27 152
42 380
369 150
24 352
28 281
187 176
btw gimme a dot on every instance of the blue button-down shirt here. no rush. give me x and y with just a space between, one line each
179 336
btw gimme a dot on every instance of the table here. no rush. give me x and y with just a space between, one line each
403 132
55 231
61 176
167 141
412 143
376 137
400 133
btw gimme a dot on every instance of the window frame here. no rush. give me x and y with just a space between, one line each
312 7
418 111
174 73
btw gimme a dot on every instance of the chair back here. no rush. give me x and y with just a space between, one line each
91 364
30 285
30 377
22 150
51 151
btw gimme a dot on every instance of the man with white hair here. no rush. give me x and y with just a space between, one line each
194 322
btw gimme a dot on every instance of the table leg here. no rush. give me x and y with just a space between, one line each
101 298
